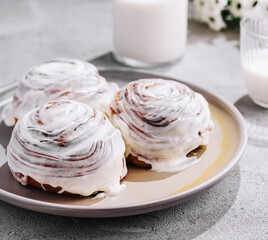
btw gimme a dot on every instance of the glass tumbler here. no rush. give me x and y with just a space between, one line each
254 62
149 33
254 57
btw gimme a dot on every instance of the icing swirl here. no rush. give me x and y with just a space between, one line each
61 79
69 145
161 121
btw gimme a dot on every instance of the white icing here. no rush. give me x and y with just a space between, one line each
81 149
61 79
161 121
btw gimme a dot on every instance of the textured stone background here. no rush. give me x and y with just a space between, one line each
35 31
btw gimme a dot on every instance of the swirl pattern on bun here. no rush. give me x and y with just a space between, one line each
61 79
161 121
67 147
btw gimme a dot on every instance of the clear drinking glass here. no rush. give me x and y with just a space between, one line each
149 33
254 58
254 62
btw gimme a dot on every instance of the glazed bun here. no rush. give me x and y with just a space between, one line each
61 79
67 147
161 121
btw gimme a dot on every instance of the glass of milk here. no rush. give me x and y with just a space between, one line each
148 33
254 57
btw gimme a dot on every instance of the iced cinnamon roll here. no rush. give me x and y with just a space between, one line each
61 79
67 147
161 121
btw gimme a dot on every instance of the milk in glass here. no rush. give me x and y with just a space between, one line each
150 31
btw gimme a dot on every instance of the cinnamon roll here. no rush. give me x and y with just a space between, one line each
67 147
61 79
161 121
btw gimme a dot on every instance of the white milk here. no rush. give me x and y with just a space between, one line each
256 78
152 31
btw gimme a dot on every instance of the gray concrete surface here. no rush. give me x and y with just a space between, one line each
34 31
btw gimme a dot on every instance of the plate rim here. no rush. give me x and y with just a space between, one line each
140 207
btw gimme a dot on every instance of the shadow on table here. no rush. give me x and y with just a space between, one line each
5 134
185 221
256 119
106 61
246 104
199 32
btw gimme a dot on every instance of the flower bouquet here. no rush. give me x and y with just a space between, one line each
219 14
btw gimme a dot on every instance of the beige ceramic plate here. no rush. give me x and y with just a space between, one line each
145 191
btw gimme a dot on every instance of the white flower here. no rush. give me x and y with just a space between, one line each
199 10
215 20
240 8
219 4
263 6
209 12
